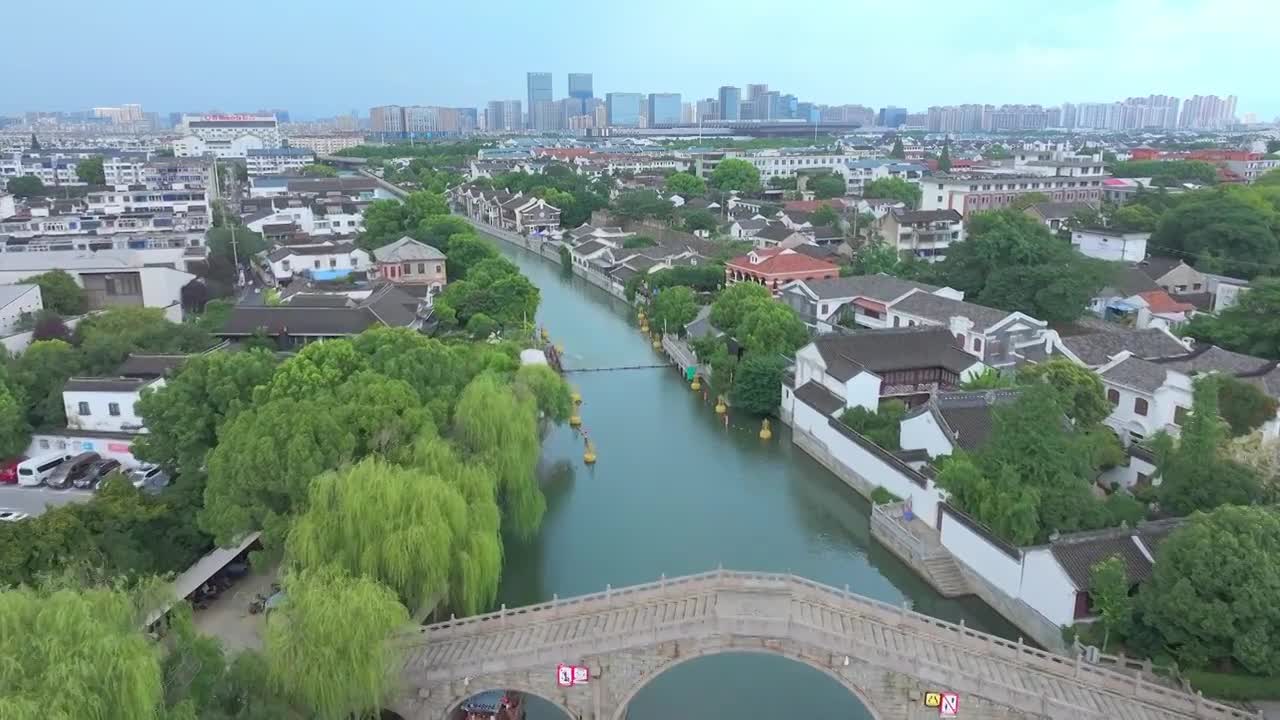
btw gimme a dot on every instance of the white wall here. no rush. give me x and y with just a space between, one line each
28 303
113 448
1127 475
862 390
1131 247
99 418
922 432
986 559
162 288
1046 587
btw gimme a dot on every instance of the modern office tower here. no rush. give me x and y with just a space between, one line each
623 109
386 119
539 85
708 109
730 103
664 109
546 115
580 90
755 90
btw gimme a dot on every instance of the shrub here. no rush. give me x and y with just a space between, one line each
1230 686
880 496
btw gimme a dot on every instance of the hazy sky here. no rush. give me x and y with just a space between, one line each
322 57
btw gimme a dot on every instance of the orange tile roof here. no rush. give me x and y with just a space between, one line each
1159 301
776 261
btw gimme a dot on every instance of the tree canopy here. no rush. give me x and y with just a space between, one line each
673 308
895 188
757 384
736 174
897 152
1167 173
828 185
494 287
60 292
825 215
1195 472
642 205
686 185
318 170
1080 391
1226 230
89 170
15 433
734 302
42 371
1250 326
25 186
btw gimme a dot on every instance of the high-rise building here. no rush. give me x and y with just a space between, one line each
708 109
730 101
539 86
755 90
664 109
1207 112
387 119
747 110
892 116
688 113
580 90
623 109
546 115
503 115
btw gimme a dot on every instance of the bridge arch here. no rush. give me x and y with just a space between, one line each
627 695
527 691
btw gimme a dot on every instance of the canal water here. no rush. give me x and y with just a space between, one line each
674 491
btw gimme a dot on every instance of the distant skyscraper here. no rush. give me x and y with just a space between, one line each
664 109
756 90
892 116
730 103
387 119
539 90
623 109
546 115
580 90
1204 112
708 109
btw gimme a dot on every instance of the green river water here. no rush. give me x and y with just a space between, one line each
676 492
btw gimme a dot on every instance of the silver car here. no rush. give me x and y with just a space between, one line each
149 477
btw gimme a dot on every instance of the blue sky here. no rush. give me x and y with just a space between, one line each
322 57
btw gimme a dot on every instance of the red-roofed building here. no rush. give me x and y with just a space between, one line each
812 205
775 267
1160 302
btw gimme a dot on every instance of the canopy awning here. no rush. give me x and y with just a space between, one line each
199 573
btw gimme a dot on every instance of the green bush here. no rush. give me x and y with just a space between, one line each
882 427
880 496
1230 686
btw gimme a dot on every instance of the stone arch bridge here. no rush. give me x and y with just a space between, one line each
886 656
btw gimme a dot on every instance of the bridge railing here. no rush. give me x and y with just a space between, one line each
1130 684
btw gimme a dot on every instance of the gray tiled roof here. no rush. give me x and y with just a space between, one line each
1099 347
1260 372
941 310
819 398
141 365
1127 281
407 249
1079 552
776 231
1052 210
891 349
968 414
752 224
1157 266
104 384
881 288
283 320
1136 373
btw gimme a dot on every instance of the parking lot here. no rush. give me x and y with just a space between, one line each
34 500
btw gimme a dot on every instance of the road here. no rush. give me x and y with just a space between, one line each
34 500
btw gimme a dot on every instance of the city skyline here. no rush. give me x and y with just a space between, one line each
954 57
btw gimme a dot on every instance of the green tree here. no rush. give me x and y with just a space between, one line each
643 204
106 339
351 672
997 499
392 524
672 309
944 160
772 328
825 215
1243 406
695 220
42 371
548 390
184 415
989 379
481 326
895 188
735 174
1271 177
827 185
90 171
465 251
1195 472
75 654
437 230
499 428
60 292
1167 172
1109 588
1207 599
15 433
880 426
1251 326
686 185
319 368
1026 200
384 414
734 302
494 287
1080 391
1134 218
757 384
1010 261
897 152
228 244
264 461
635 242
876 258
995 151
1225 230
318 170
25 187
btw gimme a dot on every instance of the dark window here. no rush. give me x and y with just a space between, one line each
977 344
406 268
1113 395
422 268
1179 415
113 409
1139 406
84 408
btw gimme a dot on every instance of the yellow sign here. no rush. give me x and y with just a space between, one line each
932 699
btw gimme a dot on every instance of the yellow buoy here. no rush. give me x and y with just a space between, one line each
575 419
644 327
640 316
545 335
575 396
657 344
589 454
560 348
721 408
696 384
765 432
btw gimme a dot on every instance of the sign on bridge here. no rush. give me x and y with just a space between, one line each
570 675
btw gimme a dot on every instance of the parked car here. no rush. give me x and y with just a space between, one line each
72 470
34 472
13 516
97 473
9 469
148 477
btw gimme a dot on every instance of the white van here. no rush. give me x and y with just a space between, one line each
35 471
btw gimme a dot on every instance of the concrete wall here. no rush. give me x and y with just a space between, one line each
1000 568
29 303
69 442
922 432
1046 587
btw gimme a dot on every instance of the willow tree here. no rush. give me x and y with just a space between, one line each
384 414
477 553
549 391
330 646
393 524
75 653
500 428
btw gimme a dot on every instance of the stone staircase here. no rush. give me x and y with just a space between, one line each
946 575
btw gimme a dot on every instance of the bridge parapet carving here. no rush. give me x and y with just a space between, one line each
887 656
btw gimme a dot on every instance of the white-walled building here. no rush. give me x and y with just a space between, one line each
1146 397
857 173
112 278
103 404
288 261
924 234
858 301
1110 244
225 136
17 304
8 206
278 161
123 199
325 144
950 420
